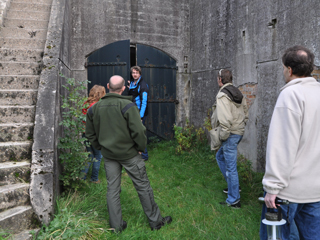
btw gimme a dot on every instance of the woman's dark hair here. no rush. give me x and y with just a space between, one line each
300 59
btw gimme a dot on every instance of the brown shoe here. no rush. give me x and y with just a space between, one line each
97 182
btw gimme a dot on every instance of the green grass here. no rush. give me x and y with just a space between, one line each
187 187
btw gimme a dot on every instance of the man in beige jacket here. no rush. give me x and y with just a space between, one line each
231 115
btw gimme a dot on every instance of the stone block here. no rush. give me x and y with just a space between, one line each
20 68
11 32
15 151
19 82
14 195
34 7
18 97
25 43
20 55
11 132
16 114
17 219
14 172
28 15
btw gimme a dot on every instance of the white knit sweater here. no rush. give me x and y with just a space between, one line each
293 148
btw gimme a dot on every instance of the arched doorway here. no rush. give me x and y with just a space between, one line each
158 70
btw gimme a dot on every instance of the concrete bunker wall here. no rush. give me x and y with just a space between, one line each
249 38
161 24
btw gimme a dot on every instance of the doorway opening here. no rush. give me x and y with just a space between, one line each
158 70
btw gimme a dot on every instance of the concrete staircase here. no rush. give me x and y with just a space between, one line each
22 42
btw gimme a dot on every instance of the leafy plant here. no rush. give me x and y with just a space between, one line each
188 136
72 155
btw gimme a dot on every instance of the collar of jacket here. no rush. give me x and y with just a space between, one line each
227 84
298 81
132 85
115 95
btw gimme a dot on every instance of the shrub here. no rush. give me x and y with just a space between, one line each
72 155
188 136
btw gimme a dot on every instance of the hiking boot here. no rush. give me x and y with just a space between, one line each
226 190
123 227
165 220
236 205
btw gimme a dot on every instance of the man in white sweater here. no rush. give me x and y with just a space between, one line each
293 147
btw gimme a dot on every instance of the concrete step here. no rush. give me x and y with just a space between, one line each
18 219
15 151
14 172
22 23
18 97
14 195
19 82
24 43
17 114
11 32
20 55
27 234
20 68
12 132
34 1
25 6
44 16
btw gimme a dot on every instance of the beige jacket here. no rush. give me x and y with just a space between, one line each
293 152
229 115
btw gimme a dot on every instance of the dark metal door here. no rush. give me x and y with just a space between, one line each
159 71
112 59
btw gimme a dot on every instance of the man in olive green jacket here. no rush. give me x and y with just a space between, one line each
113 126
230 115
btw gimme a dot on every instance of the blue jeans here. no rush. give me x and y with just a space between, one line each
144 155
227 161
304 221
94 154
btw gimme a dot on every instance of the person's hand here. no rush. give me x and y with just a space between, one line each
140 153
269 199
128 84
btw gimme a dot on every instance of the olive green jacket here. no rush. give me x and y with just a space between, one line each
114 126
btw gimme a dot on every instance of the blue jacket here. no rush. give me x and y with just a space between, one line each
140 92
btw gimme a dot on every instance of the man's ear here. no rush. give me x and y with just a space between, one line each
108 86
123 88
290 71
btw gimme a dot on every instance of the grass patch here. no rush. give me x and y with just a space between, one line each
187 187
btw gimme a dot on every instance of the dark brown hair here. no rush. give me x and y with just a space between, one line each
137 68
300 60
226 76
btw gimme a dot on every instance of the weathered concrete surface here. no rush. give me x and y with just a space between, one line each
18 97
16 114
19 82
14 195
10 220
14 172
4 5
21 51
16 132
247 37
15 151
20 55
44 185
31 43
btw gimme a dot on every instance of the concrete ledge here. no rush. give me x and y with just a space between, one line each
4 5
43 187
